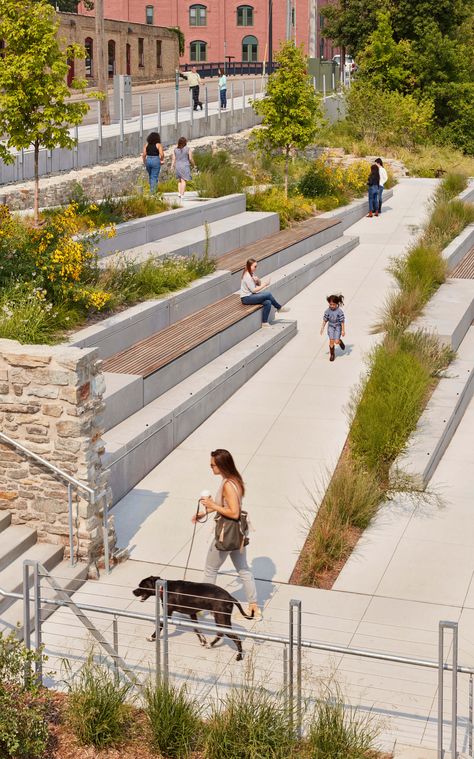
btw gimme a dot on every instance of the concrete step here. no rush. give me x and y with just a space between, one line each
218 237
70 579
136 445
126 394
5 520
130 234
11 578
14 541
440 419
449 313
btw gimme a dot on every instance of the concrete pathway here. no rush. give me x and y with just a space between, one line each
286 429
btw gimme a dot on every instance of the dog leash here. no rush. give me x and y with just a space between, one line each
193 536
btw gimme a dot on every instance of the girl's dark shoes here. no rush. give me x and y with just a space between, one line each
332 353
342 345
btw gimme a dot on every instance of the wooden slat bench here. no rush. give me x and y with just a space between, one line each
235 260
153 353
465 268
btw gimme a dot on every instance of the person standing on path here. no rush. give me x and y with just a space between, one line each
222 88
194 82
335 320
182 161
153 157
252 292
373 183
228 503
383 178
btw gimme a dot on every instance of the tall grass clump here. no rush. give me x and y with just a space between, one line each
447 220
97 709
340 732
251 724
174 720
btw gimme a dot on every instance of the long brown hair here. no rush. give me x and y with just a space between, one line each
248 264
227 467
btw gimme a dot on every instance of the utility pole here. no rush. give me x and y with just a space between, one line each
313 29
270 36
102 59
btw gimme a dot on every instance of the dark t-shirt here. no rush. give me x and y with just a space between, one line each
152 149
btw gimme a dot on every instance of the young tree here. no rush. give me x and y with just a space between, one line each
291 109
34 107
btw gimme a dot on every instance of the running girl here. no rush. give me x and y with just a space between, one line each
334 318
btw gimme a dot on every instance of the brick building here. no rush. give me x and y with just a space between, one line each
145 52
232 30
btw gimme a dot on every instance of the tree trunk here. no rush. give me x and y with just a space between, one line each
101 57
287 169
36 197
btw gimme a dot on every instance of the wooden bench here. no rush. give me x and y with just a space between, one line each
153 353
236 259
465 268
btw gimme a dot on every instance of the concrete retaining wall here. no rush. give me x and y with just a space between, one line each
468 194
354 211
459 247
449 313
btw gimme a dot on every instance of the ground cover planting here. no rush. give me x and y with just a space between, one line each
385 408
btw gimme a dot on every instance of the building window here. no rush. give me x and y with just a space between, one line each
89 48
197 51
111 58
197 15
245 15
149 14
158 54
249 49
141 53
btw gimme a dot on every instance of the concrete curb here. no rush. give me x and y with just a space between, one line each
459 247
449 313
467 195
162 426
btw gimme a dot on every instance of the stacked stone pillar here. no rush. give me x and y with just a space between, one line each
51 402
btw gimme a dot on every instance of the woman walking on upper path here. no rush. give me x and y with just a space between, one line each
181 162
335 320
153 157
373 183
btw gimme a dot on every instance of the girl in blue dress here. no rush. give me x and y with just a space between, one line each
334 318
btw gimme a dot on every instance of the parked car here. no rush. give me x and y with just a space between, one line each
350 66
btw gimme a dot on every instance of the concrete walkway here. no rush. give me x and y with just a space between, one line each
286 428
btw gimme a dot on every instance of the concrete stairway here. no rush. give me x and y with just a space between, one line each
18 543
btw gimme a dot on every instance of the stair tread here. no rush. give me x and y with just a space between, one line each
12 576
15 533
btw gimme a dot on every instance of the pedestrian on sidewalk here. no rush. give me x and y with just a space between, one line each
253 292
181 162
222 88
153 156
383 178
194 82
335 320
373 183
228 504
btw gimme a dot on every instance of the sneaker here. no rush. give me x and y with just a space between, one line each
265 324
283 310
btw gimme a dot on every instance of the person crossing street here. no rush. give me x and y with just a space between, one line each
194 81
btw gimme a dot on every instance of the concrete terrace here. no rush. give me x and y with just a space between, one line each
286 428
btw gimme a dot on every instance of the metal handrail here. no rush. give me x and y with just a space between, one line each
71 483
267 637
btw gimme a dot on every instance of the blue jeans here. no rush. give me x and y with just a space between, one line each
380 197
223 95
374 198
153 167
264 299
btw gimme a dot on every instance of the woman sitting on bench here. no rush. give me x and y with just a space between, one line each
252 292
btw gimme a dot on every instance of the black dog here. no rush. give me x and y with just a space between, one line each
191 597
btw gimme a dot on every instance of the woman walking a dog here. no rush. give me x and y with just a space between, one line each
228 504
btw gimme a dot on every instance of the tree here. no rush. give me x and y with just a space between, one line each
389 65
34 107
291 109
349 23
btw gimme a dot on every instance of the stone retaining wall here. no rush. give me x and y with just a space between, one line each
50 401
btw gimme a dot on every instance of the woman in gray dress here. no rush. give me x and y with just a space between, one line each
181 163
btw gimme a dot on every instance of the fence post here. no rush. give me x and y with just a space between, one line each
470 713
176 107
159 112
443 625
324 85
285 676
22 153
37 601
121 127
315 86
105 533
140 101
191 107
232 98
206 103
243 95
219 102
165 632
157 633
333 81
254 90
116 644
71 525
76 147
26 618
99 124
295 604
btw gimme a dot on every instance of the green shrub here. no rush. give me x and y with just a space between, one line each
388 405
27 316
252 724
340 732
24 731
97 711
174 720
422 269
208 160
216 183
291 209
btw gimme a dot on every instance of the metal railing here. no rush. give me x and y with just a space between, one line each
292 643
72 485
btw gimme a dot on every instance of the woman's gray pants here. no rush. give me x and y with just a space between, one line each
215 560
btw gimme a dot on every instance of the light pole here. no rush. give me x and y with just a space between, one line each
270 36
